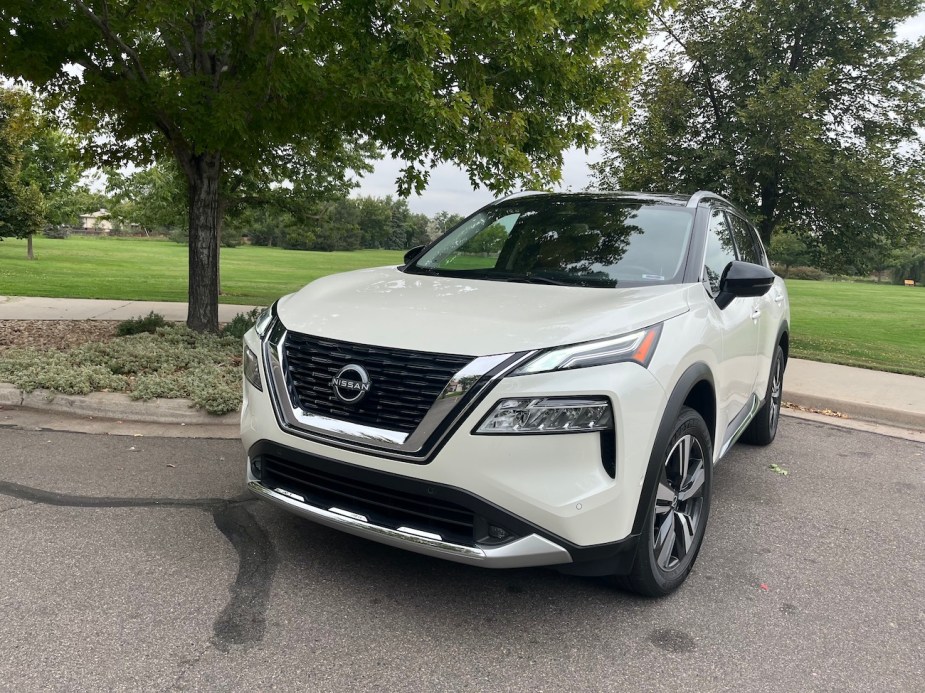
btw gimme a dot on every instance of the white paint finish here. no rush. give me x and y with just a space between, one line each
556 482
540 478
387 307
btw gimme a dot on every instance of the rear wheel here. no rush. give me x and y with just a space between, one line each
763 428
678 511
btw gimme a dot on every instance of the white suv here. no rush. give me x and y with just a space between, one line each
548 384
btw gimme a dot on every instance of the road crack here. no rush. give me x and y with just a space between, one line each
243 620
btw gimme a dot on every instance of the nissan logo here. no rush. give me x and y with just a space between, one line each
351 383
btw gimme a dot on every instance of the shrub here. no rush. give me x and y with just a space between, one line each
241 323
150 323
810 273
174 362
56 232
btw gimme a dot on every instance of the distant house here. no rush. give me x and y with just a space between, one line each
98 221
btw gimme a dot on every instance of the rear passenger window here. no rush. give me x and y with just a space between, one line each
720 250
745 241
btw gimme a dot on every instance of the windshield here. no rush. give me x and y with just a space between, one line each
596 242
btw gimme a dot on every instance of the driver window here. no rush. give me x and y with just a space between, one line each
720 250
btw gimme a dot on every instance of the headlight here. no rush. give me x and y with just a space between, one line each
252 368
264 320
637 347
548 415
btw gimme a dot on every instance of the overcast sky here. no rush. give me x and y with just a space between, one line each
449 187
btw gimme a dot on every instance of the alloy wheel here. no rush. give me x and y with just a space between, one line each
678 503
776 392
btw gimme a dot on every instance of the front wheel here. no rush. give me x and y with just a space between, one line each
678 511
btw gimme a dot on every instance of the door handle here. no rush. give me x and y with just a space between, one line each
756 313
778 297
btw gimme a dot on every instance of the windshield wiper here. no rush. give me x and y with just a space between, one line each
536 279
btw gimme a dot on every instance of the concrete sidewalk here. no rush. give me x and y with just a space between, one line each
32 308
883 398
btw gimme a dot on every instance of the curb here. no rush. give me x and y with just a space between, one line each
114 405
859 411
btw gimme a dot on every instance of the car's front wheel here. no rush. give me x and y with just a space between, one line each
678 511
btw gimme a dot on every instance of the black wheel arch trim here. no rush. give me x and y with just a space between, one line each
694 374
784 329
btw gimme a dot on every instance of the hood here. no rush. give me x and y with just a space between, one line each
386 307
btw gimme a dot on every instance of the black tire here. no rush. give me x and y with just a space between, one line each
763 428
679 507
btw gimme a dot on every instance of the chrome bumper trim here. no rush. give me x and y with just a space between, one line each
529 551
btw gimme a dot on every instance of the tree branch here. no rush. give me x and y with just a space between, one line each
707 79
102 23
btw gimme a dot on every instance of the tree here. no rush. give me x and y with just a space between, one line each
788 250
21 203
488 241
443 222
151 197
375 215
240 91
51 160
909 263
803 112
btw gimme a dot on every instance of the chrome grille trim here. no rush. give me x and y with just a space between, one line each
464 390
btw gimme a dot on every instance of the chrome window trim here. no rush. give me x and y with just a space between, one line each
462 393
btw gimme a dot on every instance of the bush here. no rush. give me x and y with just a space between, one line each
56 232
241 323
151 323
174 362
810 273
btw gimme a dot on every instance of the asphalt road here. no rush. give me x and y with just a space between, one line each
136 564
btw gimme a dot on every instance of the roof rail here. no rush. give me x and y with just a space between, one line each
523 193
702 195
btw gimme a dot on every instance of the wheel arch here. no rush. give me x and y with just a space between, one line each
695 389
783 339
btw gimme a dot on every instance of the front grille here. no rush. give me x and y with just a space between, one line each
381 506
403 384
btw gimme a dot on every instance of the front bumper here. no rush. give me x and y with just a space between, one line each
410 514
532 550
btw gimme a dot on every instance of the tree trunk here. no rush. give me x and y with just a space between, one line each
770 196
205 226
29 253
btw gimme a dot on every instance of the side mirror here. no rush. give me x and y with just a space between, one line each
412 254
743 280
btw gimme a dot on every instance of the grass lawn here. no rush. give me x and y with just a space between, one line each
879 326
156 269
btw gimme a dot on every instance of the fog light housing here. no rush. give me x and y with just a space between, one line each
257 467
252 368
548 415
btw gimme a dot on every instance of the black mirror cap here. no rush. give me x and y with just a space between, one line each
412 254
743 280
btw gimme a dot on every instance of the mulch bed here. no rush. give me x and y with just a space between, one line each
54 334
